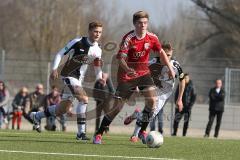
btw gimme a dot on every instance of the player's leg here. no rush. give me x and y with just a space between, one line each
124 90
147 113
99 108
82 98
106 108
108 118
162 99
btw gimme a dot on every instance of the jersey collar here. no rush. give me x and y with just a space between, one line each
90 43
139 37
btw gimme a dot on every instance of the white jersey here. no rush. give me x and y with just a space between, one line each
160 75
81 52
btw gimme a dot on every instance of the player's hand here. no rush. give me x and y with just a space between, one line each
180 105
54 75
131 72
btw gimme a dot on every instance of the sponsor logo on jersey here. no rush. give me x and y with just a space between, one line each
139 54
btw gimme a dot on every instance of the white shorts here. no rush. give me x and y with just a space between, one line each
162 98
70 82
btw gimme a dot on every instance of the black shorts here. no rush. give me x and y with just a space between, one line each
125 89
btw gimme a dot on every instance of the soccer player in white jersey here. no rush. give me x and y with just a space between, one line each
165 86
81 52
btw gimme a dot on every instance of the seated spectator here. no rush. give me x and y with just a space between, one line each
18 104
4 97
34 102
54 98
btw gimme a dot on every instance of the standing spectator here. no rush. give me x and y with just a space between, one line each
216 107
102 93
188 100
54 98
34 102
158 117
18 104
4 97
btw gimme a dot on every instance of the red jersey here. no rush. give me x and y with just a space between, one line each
136 53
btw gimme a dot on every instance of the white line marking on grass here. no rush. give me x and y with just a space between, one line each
85 155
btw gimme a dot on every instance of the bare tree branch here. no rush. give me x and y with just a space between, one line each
202 41
232 19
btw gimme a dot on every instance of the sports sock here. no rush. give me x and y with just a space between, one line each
146 115
105 123
136 130
81 117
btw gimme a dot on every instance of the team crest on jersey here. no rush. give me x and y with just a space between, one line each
146 46
133 47
66 48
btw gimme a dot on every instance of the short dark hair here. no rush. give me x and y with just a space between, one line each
138 15
186 74
94 25
167 46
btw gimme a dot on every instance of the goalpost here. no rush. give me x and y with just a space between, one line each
232 86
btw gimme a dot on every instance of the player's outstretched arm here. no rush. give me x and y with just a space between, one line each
124 66
98 69
165 59
180 95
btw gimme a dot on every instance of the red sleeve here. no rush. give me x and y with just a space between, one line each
124 47
156 44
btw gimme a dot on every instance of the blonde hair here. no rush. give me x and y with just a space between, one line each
94 25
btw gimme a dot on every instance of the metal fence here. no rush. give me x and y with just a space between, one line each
232 86
2 60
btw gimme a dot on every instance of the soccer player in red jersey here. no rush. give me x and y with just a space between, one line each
133 72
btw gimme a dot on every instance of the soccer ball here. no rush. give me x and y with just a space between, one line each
154 139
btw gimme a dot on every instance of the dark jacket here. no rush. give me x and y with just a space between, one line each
216 100
36 100
19 100
101 92
189 96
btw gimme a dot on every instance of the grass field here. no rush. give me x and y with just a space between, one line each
63 146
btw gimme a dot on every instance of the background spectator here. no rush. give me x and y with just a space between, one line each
188 100
216 107
54 98
4 97
18 104
159 117
34 102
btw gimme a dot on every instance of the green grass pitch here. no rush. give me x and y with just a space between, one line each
30 145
